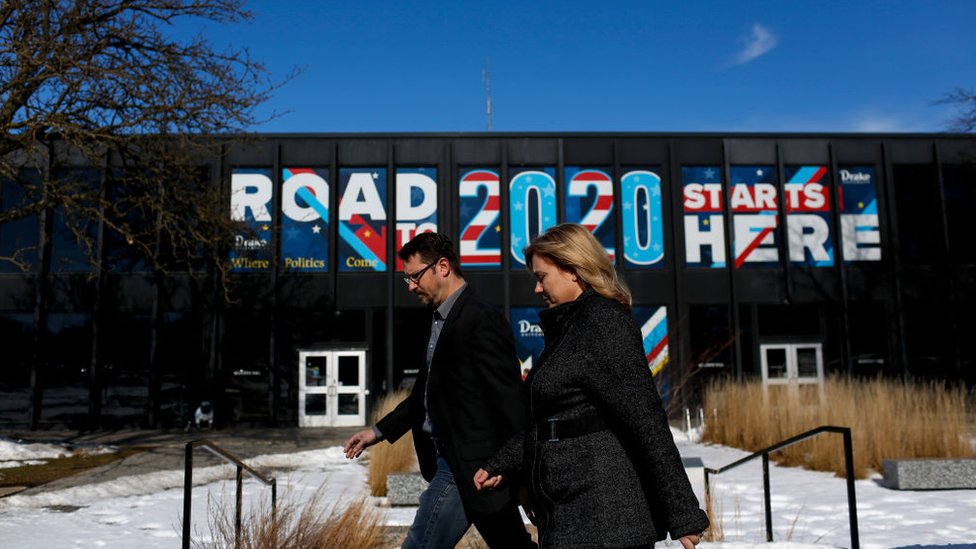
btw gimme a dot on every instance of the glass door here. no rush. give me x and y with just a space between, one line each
331 388
349 388
797 366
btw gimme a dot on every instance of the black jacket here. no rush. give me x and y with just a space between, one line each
474 395
618 487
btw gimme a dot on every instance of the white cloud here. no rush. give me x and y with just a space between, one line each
759 42
876 123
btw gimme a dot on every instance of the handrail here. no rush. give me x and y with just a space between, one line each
848 469
241 469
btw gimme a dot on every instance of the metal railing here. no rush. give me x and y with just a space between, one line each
241 469
764 453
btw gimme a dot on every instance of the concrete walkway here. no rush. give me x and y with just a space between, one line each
165 450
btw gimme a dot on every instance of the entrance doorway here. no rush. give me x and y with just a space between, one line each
797 367
332 387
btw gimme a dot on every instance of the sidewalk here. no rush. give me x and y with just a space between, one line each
165 450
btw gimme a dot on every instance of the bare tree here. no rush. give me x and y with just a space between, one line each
107 126
105 84
965 121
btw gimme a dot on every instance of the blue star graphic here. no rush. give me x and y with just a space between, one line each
709 174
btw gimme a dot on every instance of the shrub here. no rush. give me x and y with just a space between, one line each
296 525
385 458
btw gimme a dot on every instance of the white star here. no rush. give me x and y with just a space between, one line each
519 206
759 173
316 229
376 175
516 241
656 191
657 247
644 207
628 205
548 192
626 240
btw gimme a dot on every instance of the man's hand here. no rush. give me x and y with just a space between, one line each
483 482
689 542
360 441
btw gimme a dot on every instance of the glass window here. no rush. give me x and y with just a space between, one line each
920 237
959 183
67 360
16 340
316 368
348 371
868 335
183 366
124 362
806 362
928 339
74 232
776 363
711 336
18 238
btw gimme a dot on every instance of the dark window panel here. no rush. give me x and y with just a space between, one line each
920 235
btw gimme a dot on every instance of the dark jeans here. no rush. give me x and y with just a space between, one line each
441 521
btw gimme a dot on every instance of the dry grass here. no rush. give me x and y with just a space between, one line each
53 469
716 525
889 419
296 525
385 458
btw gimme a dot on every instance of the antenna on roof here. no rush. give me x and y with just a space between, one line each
486 76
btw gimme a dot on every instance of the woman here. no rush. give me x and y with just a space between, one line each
597 452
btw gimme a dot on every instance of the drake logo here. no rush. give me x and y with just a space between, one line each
527 328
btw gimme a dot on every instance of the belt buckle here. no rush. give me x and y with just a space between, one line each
552 430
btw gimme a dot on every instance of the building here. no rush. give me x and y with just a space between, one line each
781 257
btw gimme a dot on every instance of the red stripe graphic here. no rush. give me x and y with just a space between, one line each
480 176
473 232
753 245
657 349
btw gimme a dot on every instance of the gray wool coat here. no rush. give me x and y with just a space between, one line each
619 487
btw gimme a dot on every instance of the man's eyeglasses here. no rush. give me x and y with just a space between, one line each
415 277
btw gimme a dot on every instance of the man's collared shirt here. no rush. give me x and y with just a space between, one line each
436 325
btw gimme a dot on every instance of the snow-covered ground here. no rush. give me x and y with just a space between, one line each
809 508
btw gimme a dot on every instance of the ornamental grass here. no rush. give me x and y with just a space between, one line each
386 458
295 524
889 419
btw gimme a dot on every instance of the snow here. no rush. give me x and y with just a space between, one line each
809 508
15 454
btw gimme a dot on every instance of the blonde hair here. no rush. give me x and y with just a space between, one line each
574 249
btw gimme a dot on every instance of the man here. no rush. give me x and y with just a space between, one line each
466 403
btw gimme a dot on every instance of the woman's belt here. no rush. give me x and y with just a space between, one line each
554 429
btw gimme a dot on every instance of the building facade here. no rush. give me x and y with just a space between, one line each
780 257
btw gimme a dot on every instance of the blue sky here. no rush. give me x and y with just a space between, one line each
778 66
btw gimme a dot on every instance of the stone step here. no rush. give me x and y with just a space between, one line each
930 474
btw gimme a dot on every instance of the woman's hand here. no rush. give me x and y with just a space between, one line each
483 481
690 541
